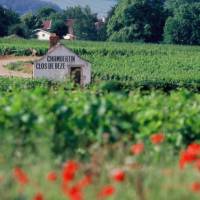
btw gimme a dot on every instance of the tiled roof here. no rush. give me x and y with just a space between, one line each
46 24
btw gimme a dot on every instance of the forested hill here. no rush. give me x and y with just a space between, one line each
24 6
98 6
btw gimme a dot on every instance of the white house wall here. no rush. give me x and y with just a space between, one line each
43 36
61 74
87 74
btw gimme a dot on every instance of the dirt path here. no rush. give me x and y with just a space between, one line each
4 60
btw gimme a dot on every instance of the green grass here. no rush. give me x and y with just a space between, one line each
18 66
25 67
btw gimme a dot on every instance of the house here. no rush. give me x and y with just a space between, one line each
60 64
100 24
46 25
70 35
42 34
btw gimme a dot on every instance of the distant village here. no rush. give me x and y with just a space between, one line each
44 33
72 23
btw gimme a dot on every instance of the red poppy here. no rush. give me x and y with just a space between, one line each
52 176
20 176
38 196
190 155
75 193
194 149
69 170
85 181
137 149
107 191
195 187
185 158
157 138
118 175
68 174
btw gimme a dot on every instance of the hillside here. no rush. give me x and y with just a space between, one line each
24 6
99 6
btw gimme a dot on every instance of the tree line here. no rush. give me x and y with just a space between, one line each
25 25
169 21
155 21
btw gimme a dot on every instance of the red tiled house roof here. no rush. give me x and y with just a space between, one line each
69 23
46 24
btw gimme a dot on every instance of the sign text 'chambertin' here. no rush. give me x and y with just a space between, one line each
60 64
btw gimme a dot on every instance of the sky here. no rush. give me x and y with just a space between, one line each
98 6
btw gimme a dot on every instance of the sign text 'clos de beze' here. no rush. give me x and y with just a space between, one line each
60 64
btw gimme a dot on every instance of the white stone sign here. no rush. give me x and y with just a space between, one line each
60 64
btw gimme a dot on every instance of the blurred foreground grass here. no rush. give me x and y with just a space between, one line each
152 174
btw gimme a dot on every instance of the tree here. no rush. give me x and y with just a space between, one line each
19 30
135 20
31 21
7 19
59 27
183 27
45 13
102 32
84 24
172 5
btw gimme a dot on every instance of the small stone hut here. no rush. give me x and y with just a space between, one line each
60 63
